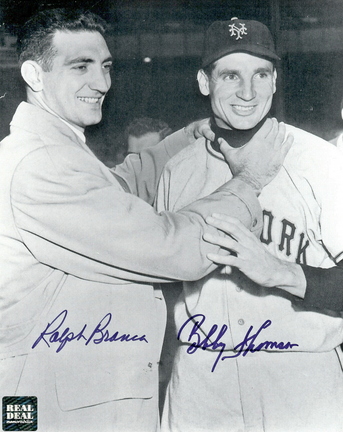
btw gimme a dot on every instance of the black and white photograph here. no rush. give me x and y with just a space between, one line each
171 198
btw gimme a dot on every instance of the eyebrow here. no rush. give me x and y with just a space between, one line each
264 69
228 72
85 60
237 72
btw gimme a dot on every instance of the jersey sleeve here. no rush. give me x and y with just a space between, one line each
328 183
171 188
324 286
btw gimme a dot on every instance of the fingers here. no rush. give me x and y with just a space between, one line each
205 130
226 150
226 270
229 260
230 226
280 134
267 128
276 133
224 145
274 128
227 243
287 145
198 129
278 139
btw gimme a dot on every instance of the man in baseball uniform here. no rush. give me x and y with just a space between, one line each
258 343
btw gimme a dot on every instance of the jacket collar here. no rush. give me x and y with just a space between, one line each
40 122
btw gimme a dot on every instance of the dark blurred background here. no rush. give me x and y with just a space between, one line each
157 45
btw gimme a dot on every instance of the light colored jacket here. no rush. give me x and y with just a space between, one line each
80 253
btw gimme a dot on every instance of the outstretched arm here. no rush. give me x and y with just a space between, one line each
253 259
139 173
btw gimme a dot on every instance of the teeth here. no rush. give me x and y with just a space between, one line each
89 100
243 108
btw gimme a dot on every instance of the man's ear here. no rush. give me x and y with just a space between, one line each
32 73
203 82
274 80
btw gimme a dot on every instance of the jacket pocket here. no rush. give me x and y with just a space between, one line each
93 387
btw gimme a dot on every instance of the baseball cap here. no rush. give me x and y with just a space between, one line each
226 37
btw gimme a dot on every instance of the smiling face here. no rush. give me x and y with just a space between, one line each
241 89
76 86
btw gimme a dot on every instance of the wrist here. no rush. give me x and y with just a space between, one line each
291 278
253 183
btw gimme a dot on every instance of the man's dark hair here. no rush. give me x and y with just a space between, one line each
145 125
35 37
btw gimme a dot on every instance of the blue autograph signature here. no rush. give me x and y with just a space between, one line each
54 333
247 344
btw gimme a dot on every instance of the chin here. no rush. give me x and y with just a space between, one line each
244 125
93 121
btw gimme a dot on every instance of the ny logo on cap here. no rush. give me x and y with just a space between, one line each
238 31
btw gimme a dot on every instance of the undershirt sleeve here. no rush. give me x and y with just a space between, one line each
324 287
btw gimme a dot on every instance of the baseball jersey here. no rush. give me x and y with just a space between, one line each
302 210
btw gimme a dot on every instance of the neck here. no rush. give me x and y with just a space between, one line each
33 99
234 137
42 105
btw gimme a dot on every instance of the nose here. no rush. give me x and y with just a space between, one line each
101 80
246 90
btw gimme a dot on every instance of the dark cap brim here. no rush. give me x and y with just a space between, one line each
255 50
